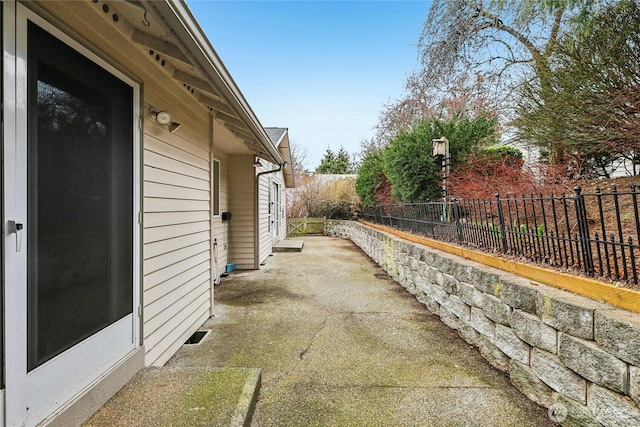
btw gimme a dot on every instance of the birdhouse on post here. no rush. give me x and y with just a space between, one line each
440 147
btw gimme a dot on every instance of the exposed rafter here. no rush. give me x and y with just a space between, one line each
194 81
232 120
216 105
160 45
176 36
242 133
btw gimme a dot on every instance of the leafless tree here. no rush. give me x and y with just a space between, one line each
502 39
300 158
509 42
592 108
457 96
315 197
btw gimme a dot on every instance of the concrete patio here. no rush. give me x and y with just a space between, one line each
339 343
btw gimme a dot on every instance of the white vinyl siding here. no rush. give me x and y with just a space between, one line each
176 174
177 208
282 211
267 220
177 232
221 228
242 208
264 197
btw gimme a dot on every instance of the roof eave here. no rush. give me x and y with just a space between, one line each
182 22
285 150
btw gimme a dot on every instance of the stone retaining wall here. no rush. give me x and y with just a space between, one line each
579 357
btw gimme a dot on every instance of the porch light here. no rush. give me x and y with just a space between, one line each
163 118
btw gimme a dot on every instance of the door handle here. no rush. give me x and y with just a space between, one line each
16 227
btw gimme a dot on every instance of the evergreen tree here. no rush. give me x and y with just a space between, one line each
408 161
370 177
335 163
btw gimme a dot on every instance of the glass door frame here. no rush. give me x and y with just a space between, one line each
22 388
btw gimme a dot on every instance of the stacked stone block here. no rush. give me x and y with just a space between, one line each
559 349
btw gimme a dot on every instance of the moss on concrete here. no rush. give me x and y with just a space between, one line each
337 346
182 397
210 400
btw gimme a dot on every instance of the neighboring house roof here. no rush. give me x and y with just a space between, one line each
276 134
192 61
280 139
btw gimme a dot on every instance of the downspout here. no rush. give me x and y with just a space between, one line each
257 213
213 265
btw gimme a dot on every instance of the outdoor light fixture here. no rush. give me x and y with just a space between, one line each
163 118
256 162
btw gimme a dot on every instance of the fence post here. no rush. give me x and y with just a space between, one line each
634 196
583 229
457 214
503 234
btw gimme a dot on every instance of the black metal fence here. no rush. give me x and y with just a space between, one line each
596 233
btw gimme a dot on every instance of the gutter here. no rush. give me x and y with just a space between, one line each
257 213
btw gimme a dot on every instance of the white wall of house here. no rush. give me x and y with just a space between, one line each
264 216
242 203
271 211
178 223
177 233
280 214
221 228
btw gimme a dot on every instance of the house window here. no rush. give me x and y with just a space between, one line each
216 187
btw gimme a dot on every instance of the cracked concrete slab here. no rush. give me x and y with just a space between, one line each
341 344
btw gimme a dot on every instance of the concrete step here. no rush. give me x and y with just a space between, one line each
289 245
181 397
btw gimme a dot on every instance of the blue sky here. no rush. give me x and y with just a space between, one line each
323 69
